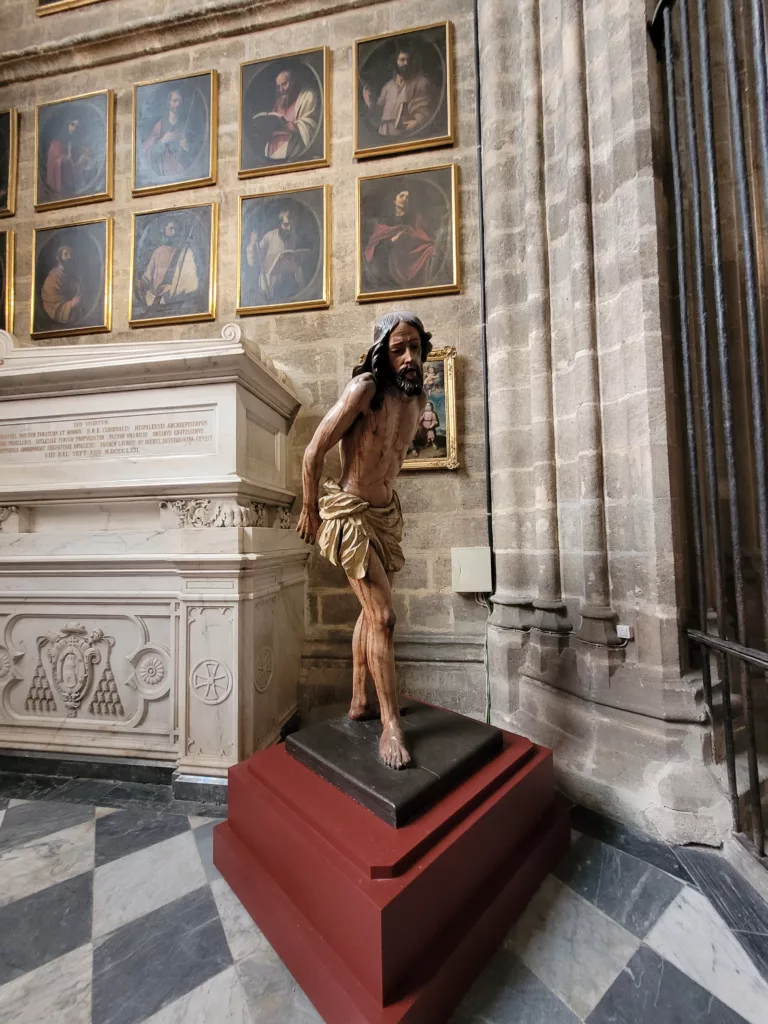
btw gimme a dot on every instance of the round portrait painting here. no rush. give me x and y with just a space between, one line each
70 290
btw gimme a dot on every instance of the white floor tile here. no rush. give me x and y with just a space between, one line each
17 803
692 936
243 936
135 885
59 992
195 820
104 812
33 866
220 1000
571 946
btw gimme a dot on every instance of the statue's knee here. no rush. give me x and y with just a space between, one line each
384 621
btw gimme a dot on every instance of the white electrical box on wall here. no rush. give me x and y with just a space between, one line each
471 570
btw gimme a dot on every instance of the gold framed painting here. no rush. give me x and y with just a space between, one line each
284 113
7 241
173 265
435 444
403 91
284 251
407 234
175 132
72 279
9 160
52 6
74 150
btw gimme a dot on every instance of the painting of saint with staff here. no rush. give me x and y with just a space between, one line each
174 134
173 278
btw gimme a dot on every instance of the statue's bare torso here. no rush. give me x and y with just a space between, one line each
373 449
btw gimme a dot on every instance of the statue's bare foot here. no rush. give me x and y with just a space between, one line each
392 749
361 710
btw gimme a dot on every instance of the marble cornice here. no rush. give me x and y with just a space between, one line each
216 19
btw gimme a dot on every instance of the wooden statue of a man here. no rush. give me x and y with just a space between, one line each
357 521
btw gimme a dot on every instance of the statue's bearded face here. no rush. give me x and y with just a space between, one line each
405 359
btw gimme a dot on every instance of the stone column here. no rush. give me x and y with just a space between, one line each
566 131
507 317
550 610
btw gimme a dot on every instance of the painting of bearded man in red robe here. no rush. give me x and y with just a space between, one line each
399 252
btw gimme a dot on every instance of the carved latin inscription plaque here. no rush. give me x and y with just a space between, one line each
137 435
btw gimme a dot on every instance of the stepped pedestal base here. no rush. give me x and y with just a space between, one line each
381 925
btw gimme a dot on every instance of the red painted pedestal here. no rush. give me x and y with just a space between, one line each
381 925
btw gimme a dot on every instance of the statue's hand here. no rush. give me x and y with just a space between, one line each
308 524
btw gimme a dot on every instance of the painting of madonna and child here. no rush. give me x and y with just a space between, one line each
173 269
435 444
75 143
174 133
284 113
407 234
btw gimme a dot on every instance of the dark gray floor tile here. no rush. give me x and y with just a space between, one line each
653 851
28 787
757 948
44 926
632 892
114 794
148 963
25 822
733 898
135 828
204 839
651 991
507 991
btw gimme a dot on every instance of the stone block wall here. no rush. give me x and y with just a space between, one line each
116 43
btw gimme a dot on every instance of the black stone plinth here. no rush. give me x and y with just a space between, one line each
445 750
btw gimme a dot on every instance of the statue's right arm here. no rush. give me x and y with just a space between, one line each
355 400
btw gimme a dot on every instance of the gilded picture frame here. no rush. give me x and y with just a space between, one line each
435 445
283 258
385 94
75 150
72 300
167 159
174 265
9 160
408 234
53 6
262 149
7 253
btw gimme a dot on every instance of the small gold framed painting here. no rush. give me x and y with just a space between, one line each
72 279
6 280
74 150
175 128
284 113
52 6
283 261
407 234
173 265
403 97
435 445
9 161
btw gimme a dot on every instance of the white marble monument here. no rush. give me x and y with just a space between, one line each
151 589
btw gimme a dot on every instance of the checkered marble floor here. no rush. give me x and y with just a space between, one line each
116 915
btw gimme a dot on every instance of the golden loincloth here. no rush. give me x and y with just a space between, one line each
350 526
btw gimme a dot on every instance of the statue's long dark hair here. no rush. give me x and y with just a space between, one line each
377 359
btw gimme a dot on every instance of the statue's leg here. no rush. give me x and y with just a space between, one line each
375 596
360 707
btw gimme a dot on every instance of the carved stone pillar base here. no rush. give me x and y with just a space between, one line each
598 626
512 611
551 616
